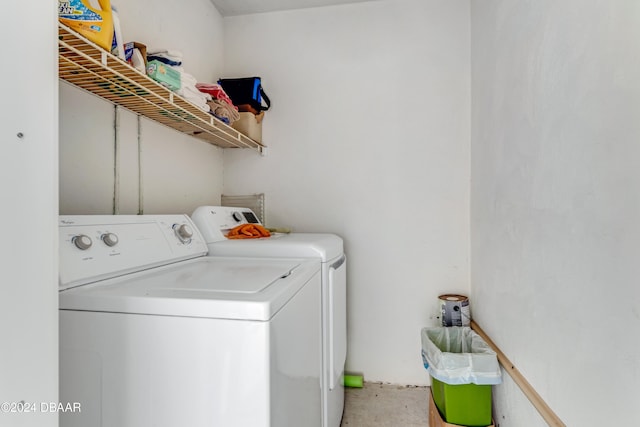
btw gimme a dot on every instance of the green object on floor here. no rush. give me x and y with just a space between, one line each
463 404
354 381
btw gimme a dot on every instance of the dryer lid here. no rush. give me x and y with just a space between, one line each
221 288
299 245
214 222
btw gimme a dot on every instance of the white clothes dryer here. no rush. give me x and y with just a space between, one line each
155 334
214 222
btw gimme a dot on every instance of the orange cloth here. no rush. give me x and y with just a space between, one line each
248 231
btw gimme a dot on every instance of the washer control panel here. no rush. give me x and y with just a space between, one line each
97 247
184 232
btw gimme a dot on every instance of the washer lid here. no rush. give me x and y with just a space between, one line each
224 288
305 245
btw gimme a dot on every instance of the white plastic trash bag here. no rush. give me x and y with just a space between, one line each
457 355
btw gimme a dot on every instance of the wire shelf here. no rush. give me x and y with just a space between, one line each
89 67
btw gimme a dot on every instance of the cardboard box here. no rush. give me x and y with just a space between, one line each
250 125
435 420
128 51
164 74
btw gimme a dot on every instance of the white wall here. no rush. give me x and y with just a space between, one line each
368 138
29 189
556 201
178 172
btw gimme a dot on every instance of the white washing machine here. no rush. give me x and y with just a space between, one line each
214 223
155 334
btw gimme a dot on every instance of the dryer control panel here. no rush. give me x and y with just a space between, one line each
215 221
97 247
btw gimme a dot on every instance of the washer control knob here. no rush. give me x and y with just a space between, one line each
82 242
109 239
183 231
237 216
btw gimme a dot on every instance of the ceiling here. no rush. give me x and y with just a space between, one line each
246 7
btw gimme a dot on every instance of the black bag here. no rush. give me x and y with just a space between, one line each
246 90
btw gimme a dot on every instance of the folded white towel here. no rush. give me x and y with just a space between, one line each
188 80
193 95
165 52
198 103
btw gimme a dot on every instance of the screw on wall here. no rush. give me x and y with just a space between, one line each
20 135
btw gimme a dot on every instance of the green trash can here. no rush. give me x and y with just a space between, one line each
462 368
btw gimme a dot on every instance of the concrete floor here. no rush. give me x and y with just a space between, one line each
386 405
